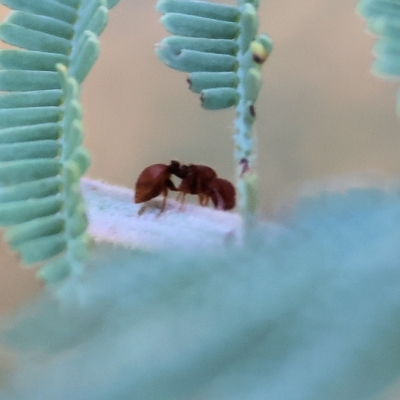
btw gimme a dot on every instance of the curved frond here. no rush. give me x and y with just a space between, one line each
383 20
39 194
41 133
50 32
218 46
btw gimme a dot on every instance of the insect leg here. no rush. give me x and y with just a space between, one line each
142 209
170 185
220 201
164 200
203 199
182 198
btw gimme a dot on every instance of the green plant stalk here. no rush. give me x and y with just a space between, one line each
217 45
251 54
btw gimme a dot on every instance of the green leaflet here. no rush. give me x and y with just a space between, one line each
193 26
41 131
217 98
197 61
17 212
26 81
217 46
83 60
29 150
41 23
56 270
39 188
34 40
42 98
71 3
30 133
60 267
92 18
49 8
75 137
42 248
30 60
199 81
28 116
77 222
201 9
36 228
383 19
15 172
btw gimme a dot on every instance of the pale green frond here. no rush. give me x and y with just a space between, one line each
218 46
41 132
211 38
383 20
39 194
50 32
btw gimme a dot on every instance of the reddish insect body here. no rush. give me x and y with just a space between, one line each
155 180
222 194
203 181
196 179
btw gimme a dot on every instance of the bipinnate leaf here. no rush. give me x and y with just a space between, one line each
39 199
41 131
305 311
383 20
51 32
215 44
219 47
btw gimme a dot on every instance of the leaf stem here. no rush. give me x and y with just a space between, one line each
251 55
245 154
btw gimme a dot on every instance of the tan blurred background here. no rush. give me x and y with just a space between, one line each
320 113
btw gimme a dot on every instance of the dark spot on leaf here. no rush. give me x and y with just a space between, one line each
257 59
244 162
252 111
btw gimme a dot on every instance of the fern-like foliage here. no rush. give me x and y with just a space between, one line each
212 42
41 153
383 18
218 46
